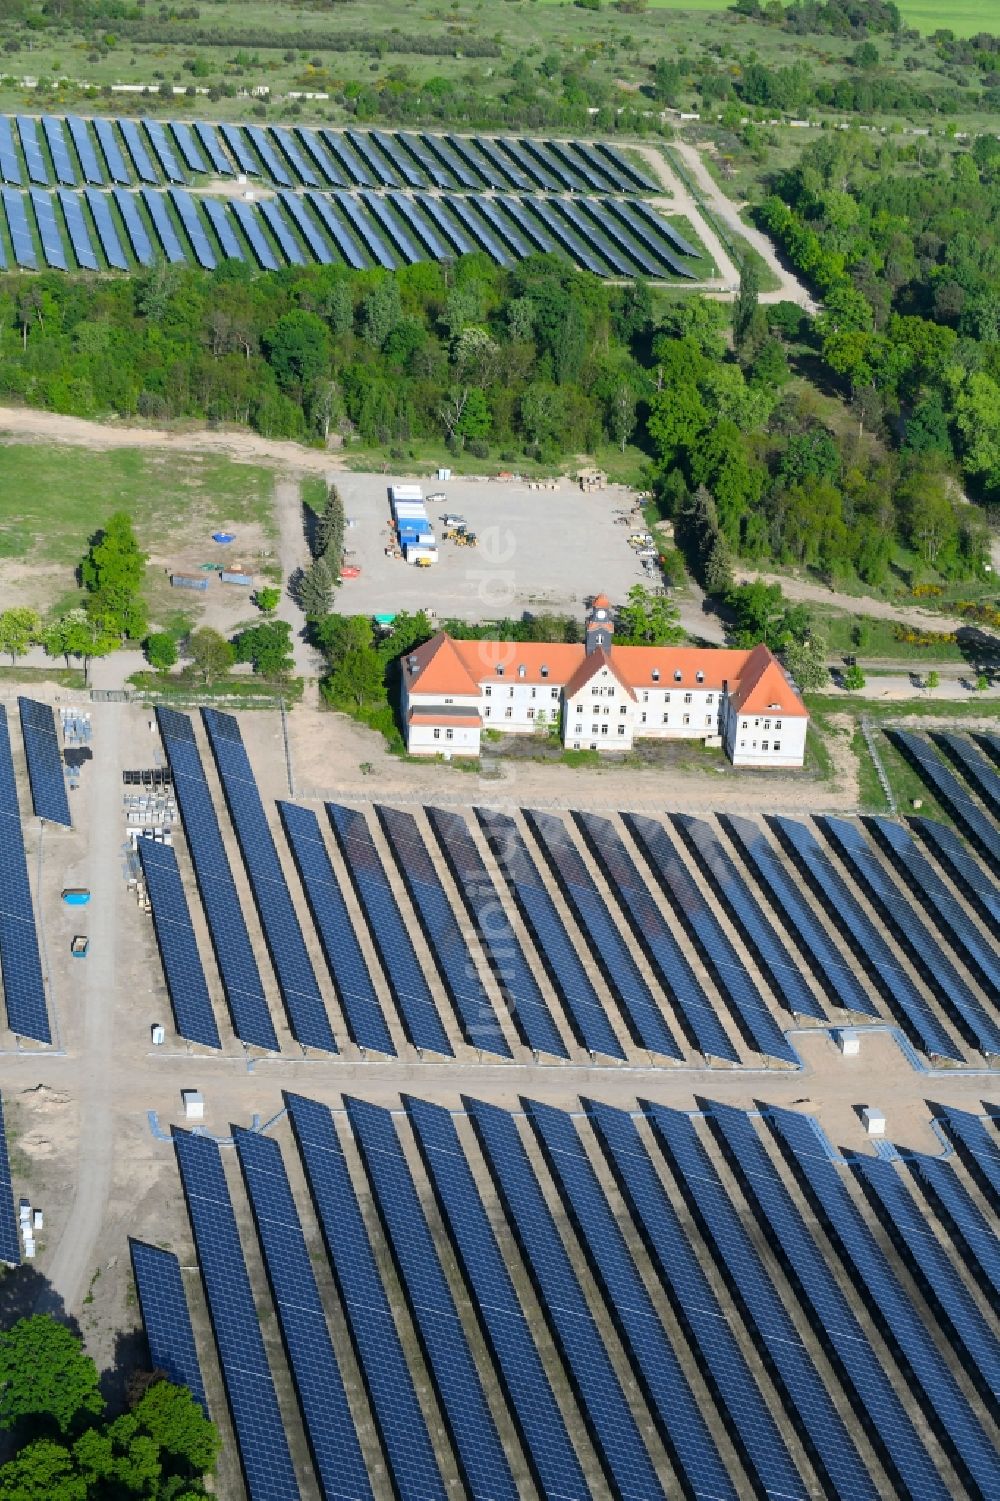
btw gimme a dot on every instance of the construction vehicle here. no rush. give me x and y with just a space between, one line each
422 563
451 520
80 947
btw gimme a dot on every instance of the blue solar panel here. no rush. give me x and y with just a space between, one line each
638 208
655 934
294 157
548 155
347 158
590 213
218 159
128 207
107 234
537 174
440 149
156 206
195 230
366 1307
10 1246
141 160
499 155
977 772
626 167
407 210
281 230
45 771
641 233
890 1302
312 144
527 224
48 229
477 1443
933 1269
503 949
377 165
427 163
478 165
990 744
526 1385
167 1319
949 914
479 231
707 933
399 159
242 155
782 971
296 978
307 228
187 147
10 167
804 1391
867 939
502 224
478 1019
59 150
257 1420
979 890
163 150
834 970
651 1352
977 1234
587 1015
378 208
550 211
230 940
249 223
978 1147
117 169
434 208
344 242
83 248
23 989
602 165
600 177
607 943
218 216
333 1442
271 161
573 1325
344 958
365 229
34 160
178 946
831 1314
20 235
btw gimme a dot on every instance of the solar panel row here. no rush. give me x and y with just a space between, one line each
977 772
20 963
957 798
45 772
166 1318
10 1244
178 946
977 887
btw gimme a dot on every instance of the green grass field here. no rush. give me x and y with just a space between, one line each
963 17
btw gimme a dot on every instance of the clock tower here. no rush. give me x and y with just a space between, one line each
600 625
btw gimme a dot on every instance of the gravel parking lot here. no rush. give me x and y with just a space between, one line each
539 550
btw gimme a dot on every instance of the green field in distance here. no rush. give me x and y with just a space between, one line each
963 17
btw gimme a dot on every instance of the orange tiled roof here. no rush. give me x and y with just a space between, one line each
438 668
591 665
442 717
763 686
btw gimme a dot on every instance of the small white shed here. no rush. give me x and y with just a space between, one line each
874 1121
194 1104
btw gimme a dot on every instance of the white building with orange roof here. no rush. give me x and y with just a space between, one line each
603 697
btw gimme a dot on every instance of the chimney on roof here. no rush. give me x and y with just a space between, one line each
600 625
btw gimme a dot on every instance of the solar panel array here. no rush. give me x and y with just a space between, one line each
45 771
20 963
292 965
10 1245
166 1318
979 890
182 966
960 802
977 771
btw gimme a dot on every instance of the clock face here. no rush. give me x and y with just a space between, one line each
602 614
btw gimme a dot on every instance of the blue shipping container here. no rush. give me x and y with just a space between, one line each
188 581
243 579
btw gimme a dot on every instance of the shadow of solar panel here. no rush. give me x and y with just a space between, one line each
59 150
408 211
554 164
296 978
660 225
178 946
166 1318
567 1311
978 889
428 164
366 1307
502 947
241 153
10 1244
480 232
286 143
230 940
34 160
272 163
831 1446
890 1302
307 228
435 210
548 211
10 167
626 166
348 159
246 214
163 151
600 177
195 230
477 1444
527 224
711 940
480 170
311 143
604 938
641 233
344 958
48 230
977 772
957 1310
965 1218
653 932
978 1146
483 161
990 744
45 772
378 207
588 1019
835 972
141 160
156 207
333 1442
499 154
439 147
819 1291
257 1420
607 244
650 1350
117 169
398 159
17 224
281 230
210 142
218 216
782 971
332 222
601 164
107 234
592 209
369 236
193 159
550 1451
83 249
866 939
501 224
20 965
380 169
478 1020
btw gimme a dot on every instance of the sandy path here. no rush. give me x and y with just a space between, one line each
238 444
682 202
810 593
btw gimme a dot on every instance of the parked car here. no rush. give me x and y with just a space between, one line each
450 519
437 498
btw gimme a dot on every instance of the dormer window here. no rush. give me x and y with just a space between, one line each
656 674
700 676
499 672
521 670
678 675
545 671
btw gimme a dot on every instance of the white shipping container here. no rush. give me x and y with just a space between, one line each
29 1249
38 1220
406 492
194 1105
874 1121
415 552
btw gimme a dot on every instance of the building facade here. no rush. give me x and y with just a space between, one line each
601 696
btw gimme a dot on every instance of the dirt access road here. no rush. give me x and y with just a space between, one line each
807 592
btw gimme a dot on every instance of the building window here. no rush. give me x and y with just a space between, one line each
621 729
593 729
743 745
699 677
595 692
710 698
687 698
545 671
666 698
777 724
645 696
489 711
604 729
767 724
756 724
708 719
656 674
753 745
576 745
488 691
642 719
777 745
521 670
449 734
765 745
555 692
623 709
593 745
437 734
687 719
744 724
677 675
508 713
510 692
499 672
449 700
531 713
666 719
533 692
578 730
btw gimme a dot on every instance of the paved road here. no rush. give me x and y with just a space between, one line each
73 1257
